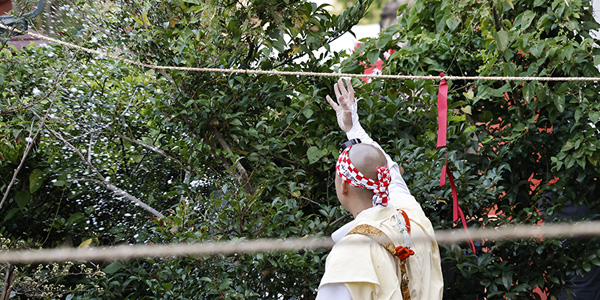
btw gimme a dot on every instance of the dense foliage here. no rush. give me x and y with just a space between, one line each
239 156
521 149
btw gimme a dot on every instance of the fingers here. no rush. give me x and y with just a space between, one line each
347 99
344 96
350 89
340 85
336 89
332 103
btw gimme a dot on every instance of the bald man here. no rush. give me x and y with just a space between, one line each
374 256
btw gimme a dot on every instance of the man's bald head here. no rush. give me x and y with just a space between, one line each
367 158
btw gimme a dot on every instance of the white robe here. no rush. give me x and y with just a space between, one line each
359 268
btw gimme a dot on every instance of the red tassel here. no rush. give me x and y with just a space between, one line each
403 252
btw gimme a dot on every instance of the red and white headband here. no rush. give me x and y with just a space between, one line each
346 170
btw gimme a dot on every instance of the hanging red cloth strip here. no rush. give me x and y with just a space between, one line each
456 210
441 142
442 112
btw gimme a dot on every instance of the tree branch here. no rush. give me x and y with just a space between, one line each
124 156
227 166
240 174
5 112
42 124
102 181
153 149
118 191
30 143
8 281
497 24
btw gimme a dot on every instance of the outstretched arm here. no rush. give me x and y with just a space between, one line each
347 117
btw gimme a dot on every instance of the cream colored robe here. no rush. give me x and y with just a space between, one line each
365 267
369 271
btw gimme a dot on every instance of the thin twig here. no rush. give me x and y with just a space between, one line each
8 281
241 173
153 149
294 118
30 143
5 112
88 163
121 192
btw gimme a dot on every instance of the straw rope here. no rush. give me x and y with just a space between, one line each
126 252
290 73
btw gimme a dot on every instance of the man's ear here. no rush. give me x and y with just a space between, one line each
345 187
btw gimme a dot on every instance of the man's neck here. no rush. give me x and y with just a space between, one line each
361 206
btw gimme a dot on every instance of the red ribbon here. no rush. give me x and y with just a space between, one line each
406 220
442 112
441 142
456 210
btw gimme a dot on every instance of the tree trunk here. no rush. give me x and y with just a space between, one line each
8 281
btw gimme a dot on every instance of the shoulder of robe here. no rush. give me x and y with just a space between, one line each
351 260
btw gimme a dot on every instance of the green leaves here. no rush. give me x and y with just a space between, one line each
35 180
453 23
501 38
314 154
519 127
511 131
186 139
594 116
22 198
373 56
113 267
524 20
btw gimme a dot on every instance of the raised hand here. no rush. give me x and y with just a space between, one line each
345 108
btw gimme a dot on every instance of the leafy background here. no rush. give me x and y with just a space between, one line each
240 156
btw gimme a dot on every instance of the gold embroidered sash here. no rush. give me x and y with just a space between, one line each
378 235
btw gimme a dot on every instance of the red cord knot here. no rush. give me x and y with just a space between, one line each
403 252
